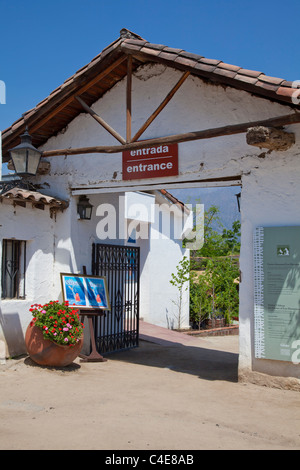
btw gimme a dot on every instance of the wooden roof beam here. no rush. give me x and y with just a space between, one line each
178 138
51 113
100 121
162 105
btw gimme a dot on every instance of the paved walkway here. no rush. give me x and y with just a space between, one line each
161 335
166 337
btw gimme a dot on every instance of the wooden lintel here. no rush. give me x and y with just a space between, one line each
162 105
128 99
101 121
270 138
172 139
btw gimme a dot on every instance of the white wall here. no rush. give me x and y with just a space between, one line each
270 191
64 244
166 253
269 180
270 197
41 234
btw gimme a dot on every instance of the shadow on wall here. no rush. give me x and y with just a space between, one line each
13 333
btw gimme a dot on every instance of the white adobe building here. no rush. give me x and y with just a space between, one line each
232 126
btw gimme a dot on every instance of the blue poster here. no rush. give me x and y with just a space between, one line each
96 292
85 291
75 290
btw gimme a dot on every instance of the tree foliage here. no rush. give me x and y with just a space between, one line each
219 241
180 281
214 291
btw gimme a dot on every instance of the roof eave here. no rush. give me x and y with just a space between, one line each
214 71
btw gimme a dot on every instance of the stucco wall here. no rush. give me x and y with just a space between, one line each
64 244
270 197
270 180
40 233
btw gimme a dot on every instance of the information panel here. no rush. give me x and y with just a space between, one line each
276 292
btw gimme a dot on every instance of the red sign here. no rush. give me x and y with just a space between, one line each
151 162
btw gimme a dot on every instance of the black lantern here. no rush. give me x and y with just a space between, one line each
25 156
84 208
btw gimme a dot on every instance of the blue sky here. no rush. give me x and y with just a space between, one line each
44 42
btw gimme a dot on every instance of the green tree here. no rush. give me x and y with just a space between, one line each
200 298
218 241
231 238
222 274
180 280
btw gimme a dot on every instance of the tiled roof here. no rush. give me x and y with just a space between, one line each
174 200
37 199
62 108
278 88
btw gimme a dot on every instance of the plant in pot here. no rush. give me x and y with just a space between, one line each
54 337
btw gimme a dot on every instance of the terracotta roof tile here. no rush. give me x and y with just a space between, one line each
215 62
287 83
134 48
245 79
41 103
149 45
174 200
265 85
130 43
284 91
136 42
173 50
225 73
152 52
205 67
185 61
249 73
191 55
271 80
167 55
18 194
233 68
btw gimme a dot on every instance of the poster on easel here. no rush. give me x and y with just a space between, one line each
276 292
85 292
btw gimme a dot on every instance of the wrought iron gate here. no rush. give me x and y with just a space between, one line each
119 328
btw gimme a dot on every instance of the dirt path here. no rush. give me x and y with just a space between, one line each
154 397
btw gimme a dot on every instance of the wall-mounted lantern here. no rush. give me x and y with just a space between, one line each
25 156
84 208
238 199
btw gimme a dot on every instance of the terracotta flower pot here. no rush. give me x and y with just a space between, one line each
46 352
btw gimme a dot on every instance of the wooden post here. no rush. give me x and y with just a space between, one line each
128 99
162 105
101 121
94 356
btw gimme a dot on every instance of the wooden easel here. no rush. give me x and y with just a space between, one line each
94 356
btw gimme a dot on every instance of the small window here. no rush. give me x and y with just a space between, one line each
13 269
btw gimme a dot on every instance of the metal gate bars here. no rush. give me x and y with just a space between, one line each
119 328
